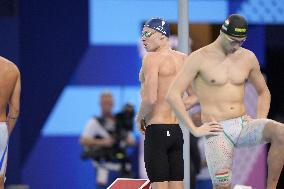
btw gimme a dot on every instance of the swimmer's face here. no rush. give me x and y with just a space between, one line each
106 102
232 44
150 39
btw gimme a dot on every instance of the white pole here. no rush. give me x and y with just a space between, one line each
183 40
183 29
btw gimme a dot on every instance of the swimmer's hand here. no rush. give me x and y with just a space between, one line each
142 126
209 128
141 123
247 118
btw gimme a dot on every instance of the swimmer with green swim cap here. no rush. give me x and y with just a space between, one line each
235 26
218 73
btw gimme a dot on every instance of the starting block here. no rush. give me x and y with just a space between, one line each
126 183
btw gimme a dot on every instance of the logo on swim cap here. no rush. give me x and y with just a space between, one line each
236 26
240 29
227 22
224 27
160 25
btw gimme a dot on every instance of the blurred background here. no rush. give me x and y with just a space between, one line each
69 51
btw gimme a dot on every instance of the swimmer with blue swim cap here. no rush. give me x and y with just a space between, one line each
160 25
155 119
155 33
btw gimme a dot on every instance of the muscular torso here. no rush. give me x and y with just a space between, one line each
8 78
220 83
169 65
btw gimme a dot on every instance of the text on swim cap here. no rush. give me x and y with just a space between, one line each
240 29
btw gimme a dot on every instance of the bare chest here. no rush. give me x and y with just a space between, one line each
223 72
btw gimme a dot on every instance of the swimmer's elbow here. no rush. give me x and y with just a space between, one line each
265 93
268 94
170 97
14 111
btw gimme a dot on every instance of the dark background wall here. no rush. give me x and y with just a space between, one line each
275 75
46 40
275 69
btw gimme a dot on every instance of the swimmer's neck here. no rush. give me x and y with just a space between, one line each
165 48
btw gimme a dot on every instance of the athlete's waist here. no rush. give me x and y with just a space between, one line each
237 119
163 127
157 119
208 116
163 124
222 106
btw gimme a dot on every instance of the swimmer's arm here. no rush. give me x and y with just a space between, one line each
190 100
179 86
14 104
258 81
150 86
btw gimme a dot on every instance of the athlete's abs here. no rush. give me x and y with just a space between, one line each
220 98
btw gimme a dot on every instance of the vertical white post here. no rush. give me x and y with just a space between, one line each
183 40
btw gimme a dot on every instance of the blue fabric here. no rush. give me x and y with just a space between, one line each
2 159
160 25
203 184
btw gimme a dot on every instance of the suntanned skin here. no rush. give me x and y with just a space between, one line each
10 89
219 72
159 67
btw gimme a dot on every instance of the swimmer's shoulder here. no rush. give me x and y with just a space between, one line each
196 55
247 52
150 56
177 53
8 65
250 57
181 56
151 60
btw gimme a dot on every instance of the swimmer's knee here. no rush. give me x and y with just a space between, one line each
277 132
221 186
222 179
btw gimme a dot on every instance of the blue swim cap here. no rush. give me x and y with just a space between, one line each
160 25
